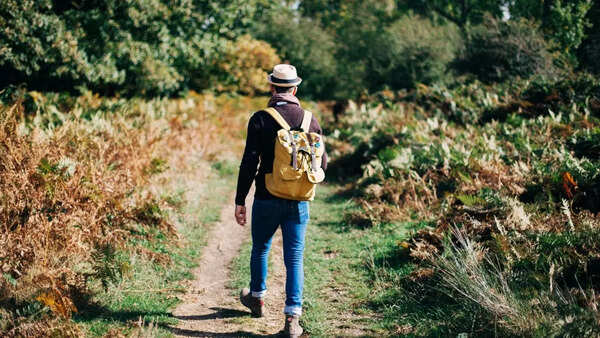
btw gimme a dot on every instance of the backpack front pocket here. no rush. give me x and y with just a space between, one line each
288 173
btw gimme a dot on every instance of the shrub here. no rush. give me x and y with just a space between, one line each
589 50
409 51
566 23
589 53
587 144
464 104
525 267
67 187
574 89
245 64
74 193
146 47
302 42
497 51
576 92
35 41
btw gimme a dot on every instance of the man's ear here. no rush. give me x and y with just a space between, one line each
295 91
273 90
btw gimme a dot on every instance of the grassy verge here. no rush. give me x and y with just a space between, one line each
142 301
240 268
348 270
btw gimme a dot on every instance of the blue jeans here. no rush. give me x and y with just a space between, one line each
267 216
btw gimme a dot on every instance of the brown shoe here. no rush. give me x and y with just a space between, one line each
292 327
253 303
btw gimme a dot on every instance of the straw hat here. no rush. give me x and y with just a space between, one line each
284 76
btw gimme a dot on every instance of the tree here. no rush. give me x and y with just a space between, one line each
303 42
411 50
589 51
141 47
331 13
563 22
460 12
501 50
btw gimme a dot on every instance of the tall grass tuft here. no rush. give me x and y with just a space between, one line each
469 274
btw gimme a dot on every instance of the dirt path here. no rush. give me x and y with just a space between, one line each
211 309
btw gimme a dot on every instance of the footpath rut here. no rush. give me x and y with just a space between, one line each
211 308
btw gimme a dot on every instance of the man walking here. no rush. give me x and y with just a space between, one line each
268 211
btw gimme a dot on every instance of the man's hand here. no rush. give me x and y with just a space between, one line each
240 214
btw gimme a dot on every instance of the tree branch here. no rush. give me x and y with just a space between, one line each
443 13
466 10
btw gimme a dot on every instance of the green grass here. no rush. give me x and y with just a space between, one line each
149 291
240 268
351 274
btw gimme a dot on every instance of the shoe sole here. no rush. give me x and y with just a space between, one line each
255 313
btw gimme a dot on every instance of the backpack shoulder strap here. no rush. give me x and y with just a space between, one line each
306 121
275 114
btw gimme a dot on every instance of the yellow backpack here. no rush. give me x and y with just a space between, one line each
297 163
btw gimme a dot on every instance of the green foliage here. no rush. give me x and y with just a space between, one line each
464 104
411 50
522 189
343 49
244 64
10 279
335 43
146 47
498 51
157 166
589 51
33 310
587 144
567 22
336 13
107 265
470 200
574 89
575 92
225 168
314 57
563 22
150 213
34 38
566 249
462 13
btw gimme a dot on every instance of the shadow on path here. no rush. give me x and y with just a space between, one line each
194 333
219 313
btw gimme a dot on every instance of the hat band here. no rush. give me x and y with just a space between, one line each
277 80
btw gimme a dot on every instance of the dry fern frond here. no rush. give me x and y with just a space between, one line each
72 190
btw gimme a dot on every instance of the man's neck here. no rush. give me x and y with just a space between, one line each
285 98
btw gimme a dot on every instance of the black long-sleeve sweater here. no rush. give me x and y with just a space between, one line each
260 145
